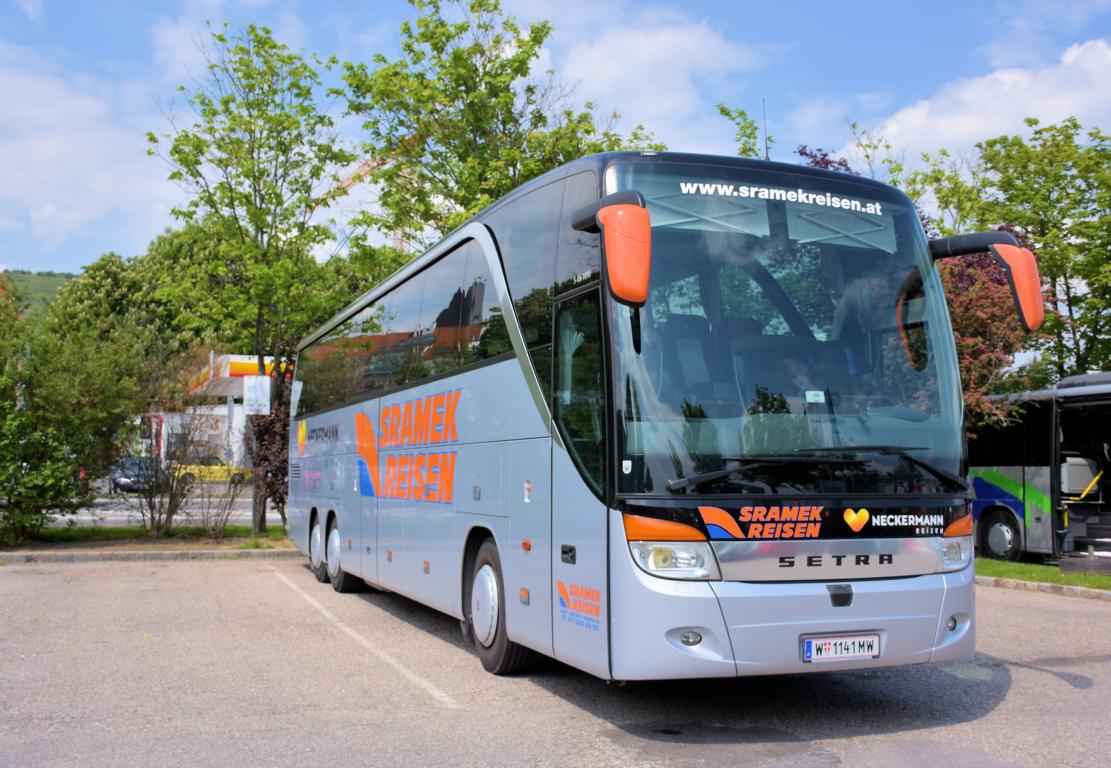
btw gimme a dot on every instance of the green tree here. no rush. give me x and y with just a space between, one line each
68 389
748 132
1055 188
262 161
460 118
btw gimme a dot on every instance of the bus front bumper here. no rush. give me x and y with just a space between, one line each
750 628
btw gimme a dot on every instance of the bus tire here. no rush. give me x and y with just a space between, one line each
342 581
316 551
1000 538
486 605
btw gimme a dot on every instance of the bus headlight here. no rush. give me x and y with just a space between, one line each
956 552
691 560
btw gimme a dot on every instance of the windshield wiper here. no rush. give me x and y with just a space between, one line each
745 462
902 451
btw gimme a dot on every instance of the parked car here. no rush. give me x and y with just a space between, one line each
132 474
211 469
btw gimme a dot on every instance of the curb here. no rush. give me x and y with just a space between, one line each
22 558
1041 586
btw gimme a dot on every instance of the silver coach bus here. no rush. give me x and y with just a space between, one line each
657 416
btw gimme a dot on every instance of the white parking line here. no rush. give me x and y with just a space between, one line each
440 697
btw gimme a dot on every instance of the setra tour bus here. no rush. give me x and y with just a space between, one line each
657 415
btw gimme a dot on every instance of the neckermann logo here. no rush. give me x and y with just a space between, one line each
416 473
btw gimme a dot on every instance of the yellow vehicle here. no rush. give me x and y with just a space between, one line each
211 469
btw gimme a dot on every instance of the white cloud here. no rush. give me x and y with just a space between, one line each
72 152
966 111
32 9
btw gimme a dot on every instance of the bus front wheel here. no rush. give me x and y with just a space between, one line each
1000 538
485 608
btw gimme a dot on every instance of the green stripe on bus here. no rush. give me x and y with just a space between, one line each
1030 494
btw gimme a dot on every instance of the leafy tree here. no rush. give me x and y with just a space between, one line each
1055 188
261 160
66 391
460 118
748 132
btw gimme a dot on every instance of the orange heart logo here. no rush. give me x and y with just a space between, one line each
856 519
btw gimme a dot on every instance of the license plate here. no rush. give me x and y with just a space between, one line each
840 647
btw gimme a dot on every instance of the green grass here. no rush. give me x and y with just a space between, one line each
97 533
36 288
256 544
1036 572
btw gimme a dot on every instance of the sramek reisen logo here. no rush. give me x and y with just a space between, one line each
409 456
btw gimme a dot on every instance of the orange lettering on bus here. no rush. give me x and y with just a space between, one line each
745 515
422 421
447 476
449 415
389 487
416 482
432 478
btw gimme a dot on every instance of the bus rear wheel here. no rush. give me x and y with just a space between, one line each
316 552
1000 538
342 581
485 613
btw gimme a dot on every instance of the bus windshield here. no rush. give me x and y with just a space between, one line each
795 340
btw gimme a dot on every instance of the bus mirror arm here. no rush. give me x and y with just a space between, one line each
1018 263
626 228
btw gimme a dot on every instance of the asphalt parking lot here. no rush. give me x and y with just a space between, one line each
254 663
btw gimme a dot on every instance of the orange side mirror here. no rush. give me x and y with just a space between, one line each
1026 284
627 250
626 228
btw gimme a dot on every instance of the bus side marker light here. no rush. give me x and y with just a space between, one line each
425 566
524 596
962 526
527 545
389 555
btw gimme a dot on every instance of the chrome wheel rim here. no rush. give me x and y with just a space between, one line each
1001 539
333 552
316 546
484 606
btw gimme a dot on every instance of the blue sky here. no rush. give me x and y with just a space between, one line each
81 83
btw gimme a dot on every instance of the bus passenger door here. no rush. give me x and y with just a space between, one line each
580 605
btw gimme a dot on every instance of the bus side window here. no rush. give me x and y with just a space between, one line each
442 312
578 255
484 332
525 230
579 400
398 358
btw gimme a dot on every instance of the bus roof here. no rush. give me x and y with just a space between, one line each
1065 391
597 163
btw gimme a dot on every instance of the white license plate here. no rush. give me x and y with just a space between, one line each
840 647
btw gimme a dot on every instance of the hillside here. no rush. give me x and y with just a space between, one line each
36 288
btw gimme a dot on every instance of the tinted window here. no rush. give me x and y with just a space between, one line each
398 358
445 317
994 446
483 331
579 258
442 313
525 230
579 404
